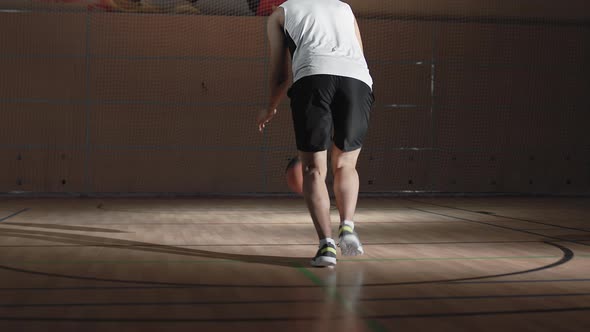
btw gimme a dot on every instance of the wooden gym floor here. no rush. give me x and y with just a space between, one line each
242 264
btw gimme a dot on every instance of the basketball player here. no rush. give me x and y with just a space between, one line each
331 98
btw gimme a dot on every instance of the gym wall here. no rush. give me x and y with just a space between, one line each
469 99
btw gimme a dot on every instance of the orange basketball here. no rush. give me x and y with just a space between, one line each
294 174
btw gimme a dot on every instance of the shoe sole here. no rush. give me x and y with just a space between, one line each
351 246
323 261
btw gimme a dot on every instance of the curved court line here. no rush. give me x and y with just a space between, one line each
263 223
501 216
294 263
102 288
567 255
260 244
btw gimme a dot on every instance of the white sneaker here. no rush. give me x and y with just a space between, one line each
349 242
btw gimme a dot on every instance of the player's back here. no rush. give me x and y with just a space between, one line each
323 39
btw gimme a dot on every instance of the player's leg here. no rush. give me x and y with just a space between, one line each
312 119
350 111
346 188
315 192
346 181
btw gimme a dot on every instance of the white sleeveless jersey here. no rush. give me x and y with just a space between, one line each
323 40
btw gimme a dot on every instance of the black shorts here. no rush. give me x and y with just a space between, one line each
328 108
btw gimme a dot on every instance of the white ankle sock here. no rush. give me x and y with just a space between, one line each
347 223
327 240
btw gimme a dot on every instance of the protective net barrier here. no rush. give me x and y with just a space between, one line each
154 96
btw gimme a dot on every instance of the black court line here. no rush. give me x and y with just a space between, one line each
500 216
254 302
292 262
254 223
484 313
63 227
133 288
232 211
474 297
290 319
253 209
524 281
258 244
14 214
567 255
503 227
540 229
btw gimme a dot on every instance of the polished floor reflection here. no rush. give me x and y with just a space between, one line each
225 264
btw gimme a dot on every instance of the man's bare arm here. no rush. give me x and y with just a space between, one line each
358 34
279 67
279 58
